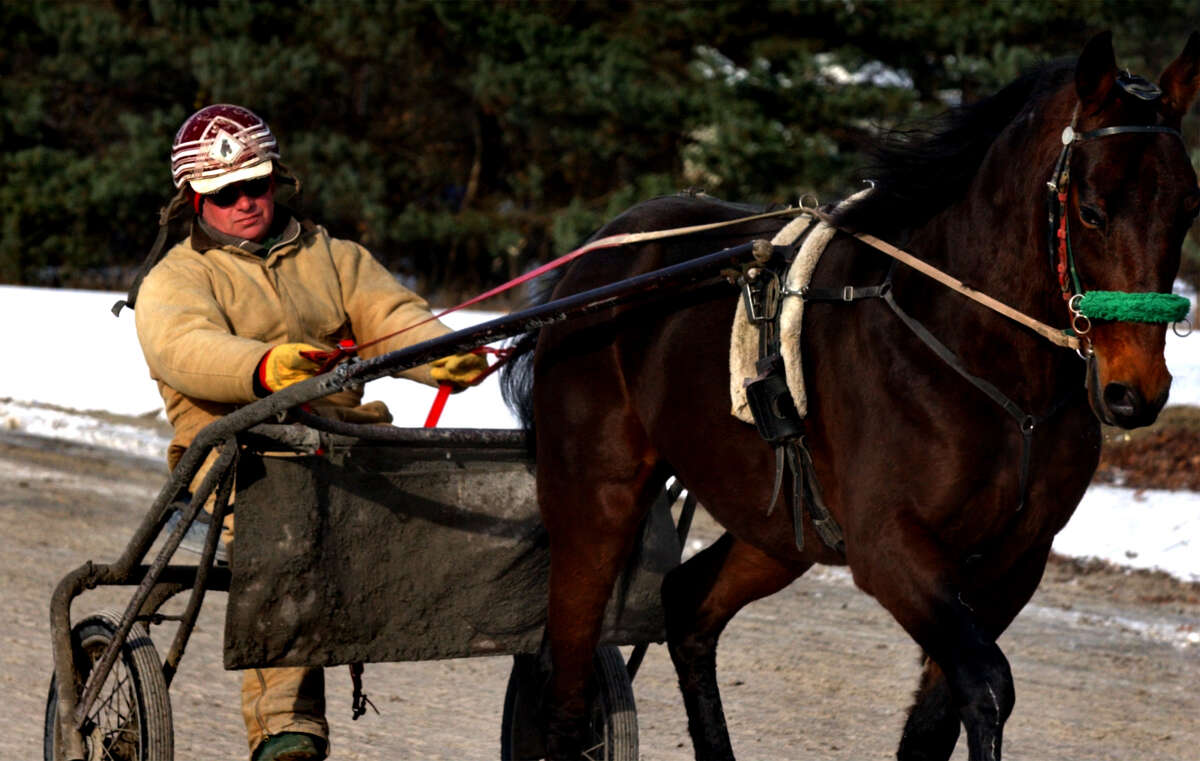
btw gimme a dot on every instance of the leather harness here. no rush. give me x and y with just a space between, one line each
771 402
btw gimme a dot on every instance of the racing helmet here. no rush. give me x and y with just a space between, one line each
220 145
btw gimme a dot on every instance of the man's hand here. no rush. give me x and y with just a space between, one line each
459 370
286 364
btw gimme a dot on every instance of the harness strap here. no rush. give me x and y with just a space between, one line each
848 293
808 493
177 202
1053 335
778 486
359 700
783 428
1026 422
951 359
1118 130
611 241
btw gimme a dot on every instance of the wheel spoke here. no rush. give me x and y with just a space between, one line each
595 753
598 751
115 732
129 719
114 693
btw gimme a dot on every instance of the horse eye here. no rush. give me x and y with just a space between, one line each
1091 216
1191 204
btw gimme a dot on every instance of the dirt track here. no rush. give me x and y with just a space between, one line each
1107 664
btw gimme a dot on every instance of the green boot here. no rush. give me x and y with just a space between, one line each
290 746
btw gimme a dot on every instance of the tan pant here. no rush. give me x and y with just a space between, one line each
280 700
288 699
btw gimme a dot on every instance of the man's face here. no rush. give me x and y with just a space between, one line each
243 210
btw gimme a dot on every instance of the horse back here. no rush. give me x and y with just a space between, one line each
605 266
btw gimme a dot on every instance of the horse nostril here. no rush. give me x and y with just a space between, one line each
1122 401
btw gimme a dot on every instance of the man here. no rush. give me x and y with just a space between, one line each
229 315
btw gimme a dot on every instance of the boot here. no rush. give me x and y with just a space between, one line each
290 746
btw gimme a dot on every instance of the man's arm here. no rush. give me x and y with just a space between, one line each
379 305
186 340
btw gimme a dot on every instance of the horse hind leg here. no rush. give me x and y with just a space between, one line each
592 527
699 598
933 725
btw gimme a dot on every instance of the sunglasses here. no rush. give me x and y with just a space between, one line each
229 195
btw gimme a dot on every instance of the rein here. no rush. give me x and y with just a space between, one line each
348 348
1056 336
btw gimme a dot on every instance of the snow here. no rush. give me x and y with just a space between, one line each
80 362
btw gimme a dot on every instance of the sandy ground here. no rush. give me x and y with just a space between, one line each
1106 663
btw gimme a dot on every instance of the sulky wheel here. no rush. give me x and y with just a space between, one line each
614 729
131 717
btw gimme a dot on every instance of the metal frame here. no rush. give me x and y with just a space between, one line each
159 581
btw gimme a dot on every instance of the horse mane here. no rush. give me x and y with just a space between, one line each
918 171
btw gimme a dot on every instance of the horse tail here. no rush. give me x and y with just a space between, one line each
516 380
516 377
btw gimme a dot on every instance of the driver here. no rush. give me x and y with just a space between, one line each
228 315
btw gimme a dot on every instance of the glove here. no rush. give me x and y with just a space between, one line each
286 364
459 370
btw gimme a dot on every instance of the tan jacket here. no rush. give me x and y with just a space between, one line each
208 312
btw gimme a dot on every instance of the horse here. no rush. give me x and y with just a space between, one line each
947 505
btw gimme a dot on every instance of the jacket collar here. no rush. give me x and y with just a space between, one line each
284 230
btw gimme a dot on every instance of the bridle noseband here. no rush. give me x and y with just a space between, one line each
1158 307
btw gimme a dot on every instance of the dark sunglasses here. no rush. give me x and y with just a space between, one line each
229 195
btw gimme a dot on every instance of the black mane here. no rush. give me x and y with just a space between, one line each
918 172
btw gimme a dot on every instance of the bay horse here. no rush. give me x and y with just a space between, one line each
947 505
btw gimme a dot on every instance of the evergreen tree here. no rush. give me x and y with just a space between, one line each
464 141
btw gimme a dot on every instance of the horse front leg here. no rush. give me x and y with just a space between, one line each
981 682
912 576
936 717
934 720
699 598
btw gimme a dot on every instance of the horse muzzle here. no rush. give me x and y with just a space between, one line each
1127 379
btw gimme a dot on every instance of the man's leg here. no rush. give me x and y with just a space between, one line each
283 700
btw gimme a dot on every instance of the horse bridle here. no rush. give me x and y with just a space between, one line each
1062 257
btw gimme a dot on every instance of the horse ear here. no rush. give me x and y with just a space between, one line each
1096 71
1180 81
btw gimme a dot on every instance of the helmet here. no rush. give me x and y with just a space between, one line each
219 145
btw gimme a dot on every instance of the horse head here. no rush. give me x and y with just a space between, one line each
1122 198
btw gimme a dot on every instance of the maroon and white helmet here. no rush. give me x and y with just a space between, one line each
220 145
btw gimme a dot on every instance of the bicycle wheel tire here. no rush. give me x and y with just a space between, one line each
131 717
614 713
612 720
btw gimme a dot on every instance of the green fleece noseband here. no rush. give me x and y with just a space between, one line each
1118 306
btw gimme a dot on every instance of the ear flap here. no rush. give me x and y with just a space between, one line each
1180 81
1096 71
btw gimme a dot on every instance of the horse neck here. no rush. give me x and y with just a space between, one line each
994 239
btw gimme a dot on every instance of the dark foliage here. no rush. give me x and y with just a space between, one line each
464 141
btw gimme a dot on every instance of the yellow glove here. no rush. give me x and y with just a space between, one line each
286 364
460 370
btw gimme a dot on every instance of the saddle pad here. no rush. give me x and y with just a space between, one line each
743 348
